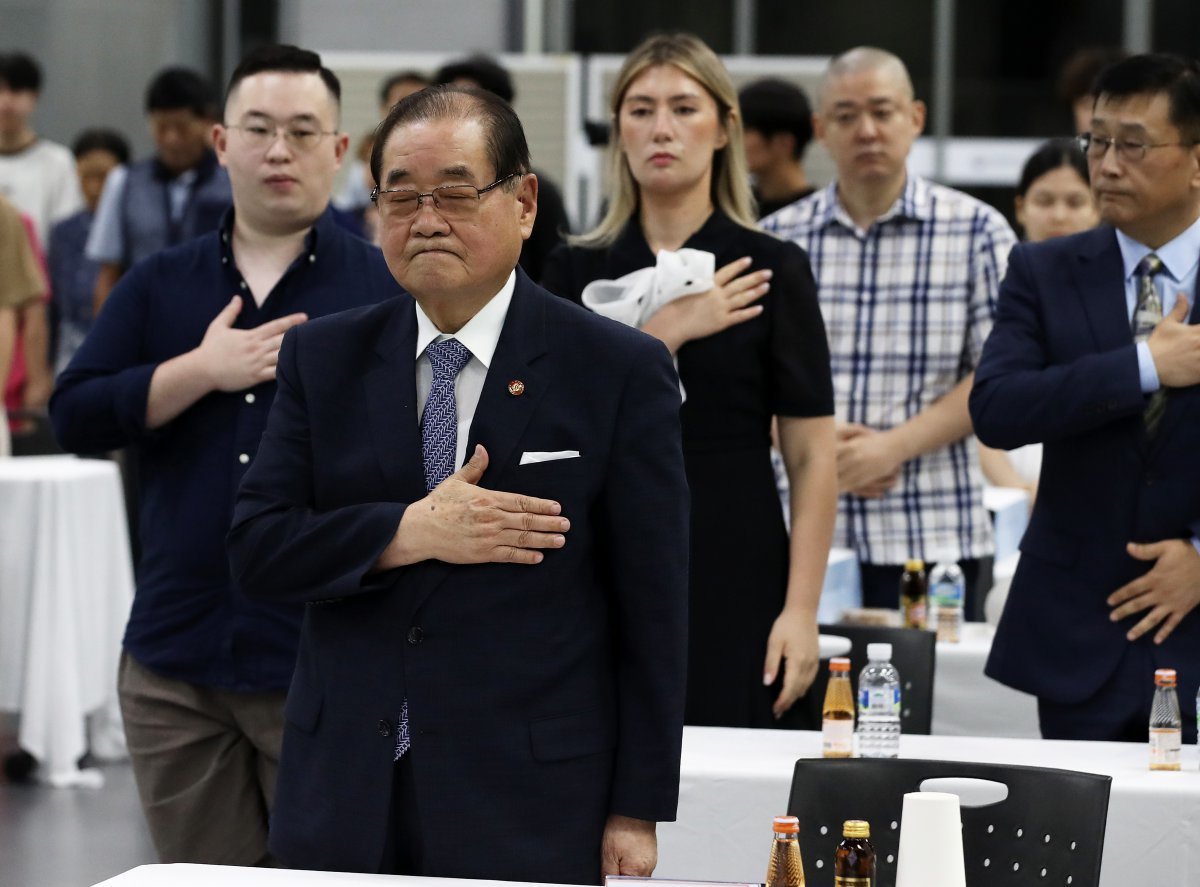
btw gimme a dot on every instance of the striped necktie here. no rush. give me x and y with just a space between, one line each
1147 314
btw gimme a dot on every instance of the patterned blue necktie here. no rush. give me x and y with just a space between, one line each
439 447
439 422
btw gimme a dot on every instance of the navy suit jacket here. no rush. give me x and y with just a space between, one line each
541 698
1060 367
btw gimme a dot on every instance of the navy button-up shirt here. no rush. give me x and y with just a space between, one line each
189 621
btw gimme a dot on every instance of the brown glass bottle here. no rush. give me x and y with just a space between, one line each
914 595
785 868
854 860
837 714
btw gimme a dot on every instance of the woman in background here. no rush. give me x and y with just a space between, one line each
1053 199
749 349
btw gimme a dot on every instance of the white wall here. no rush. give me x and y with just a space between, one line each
97 57
391 25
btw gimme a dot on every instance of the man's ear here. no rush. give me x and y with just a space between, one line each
918 118
218 138
340 147
818 123
527 201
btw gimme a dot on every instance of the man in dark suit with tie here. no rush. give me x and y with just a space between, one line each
1082 359
490 680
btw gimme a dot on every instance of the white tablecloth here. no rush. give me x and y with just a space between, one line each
66 583
967 703
233 876
734 781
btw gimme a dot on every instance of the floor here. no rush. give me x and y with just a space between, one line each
70 837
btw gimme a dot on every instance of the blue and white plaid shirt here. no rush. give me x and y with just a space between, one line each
907 304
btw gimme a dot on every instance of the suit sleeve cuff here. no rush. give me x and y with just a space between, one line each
1147 373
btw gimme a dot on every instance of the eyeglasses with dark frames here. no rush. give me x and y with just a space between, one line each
1128 150
451 201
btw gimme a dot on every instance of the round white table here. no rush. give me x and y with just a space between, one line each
66 584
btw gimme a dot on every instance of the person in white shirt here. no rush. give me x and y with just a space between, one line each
36 174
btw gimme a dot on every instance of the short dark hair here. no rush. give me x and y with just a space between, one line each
1048 157
1158 74
287 58
100 139
182 89
393 80
482 70
1079 71
19 72
503 135
774 106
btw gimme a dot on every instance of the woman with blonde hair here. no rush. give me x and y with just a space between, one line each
744 325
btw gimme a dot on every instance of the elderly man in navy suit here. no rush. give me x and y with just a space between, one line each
1083 358
479 493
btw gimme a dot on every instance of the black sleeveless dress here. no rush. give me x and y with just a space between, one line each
735 381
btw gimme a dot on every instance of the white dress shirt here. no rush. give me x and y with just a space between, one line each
479 335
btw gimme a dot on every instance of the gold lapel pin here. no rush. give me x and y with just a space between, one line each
516 387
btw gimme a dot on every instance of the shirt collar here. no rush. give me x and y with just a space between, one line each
312 239
480 334
1179 256
914 202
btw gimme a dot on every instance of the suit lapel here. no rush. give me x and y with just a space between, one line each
391 390
502 416
1100 287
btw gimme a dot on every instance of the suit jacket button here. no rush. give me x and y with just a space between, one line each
385 729
415 635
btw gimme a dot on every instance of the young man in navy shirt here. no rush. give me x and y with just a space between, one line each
181 365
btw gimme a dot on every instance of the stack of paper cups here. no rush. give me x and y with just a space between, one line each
931 850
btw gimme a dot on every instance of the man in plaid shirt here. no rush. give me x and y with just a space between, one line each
907 274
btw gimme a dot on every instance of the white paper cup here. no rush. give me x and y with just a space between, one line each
931 851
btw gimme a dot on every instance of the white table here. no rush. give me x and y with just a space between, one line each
185 875
735 780
66 583
968 703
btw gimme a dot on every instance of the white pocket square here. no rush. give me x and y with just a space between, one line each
531 457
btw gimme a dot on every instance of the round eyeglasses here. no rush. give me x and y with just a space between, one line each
451 201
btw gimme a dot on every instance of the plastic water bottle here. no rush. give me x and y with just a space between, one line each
947 588
879 705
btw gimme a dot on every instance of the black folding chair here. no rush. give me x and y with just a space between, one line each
1048 830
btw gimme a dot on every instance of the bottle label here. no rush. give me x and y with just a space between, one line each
837 738
842 881
914 614
947 593
1165 745
879 701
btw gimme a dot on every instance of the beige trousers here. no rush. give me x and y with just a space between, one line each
205 762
